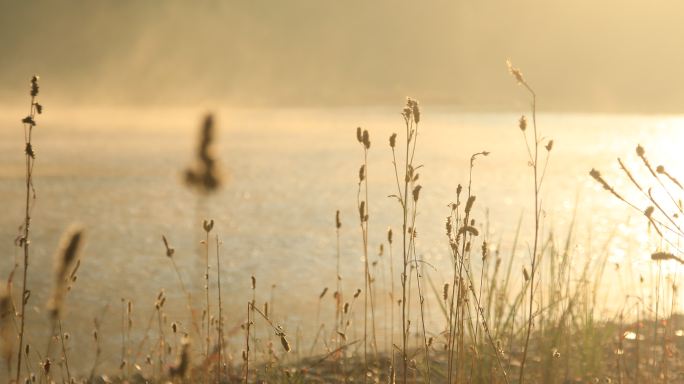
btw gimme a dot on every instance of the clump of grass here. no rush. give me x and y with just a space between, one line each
662 212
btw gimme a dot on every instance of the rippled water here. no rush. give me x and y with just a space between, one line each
287 172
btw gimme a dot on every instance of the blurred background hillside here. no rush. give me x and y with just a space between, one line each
582 56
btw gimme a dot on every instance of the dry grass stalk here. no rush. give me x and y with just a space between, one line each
161 351
7 334
661 216
66 259
391 304
661 256
96 341
245 354
204 175
207 225
23 240
363 138
219 368
279 332
182 365
458 308
66 264
539 173
412 116
338 296
170 254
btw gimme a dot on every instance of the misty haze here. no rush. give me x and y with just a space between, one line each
336 192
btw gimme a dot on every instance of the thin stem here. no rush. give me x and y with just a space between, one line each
64 352
28 127
404 275
392 373
249 323
537 213
162 341
421 298
206 288
338 278
363 221
188 296
220 316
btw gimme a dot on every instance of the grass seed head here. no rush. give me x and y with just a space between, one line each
649 211
416 192
208 225
169 250
393 140
65 258
515 72
285 343
34 86
640 150
662 256
412 104
366 139
469 204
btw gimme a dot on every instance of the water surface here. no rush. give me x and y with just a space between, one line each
118 172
